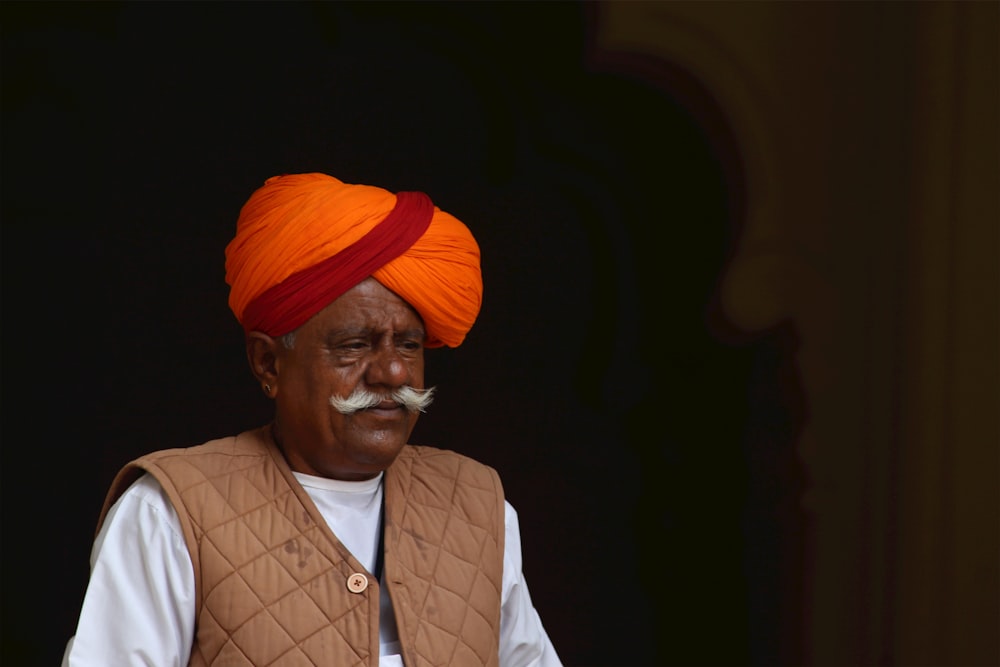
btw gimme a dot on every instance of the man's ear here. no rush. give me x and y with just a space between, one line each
262 353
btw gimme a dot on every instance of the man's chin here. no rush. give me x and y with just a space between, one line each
379 453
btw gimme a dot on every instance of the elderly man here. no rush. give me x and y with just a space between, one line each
323 538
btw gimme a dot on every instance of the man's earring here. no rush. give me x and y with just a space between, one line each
267 389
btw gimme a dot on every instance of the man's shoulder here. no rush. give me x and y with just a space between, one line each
426 453
216 457
187 467
438 483
251 443
421 460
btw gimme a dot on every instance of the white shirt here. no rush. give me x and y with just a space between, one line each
139 607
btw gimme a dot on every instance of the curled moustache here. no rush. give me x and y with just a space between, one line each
411 398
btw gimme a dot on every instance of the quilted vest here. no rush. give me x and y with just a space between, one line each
271 578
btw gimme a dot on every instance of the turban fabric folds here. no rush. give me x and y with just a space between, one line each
302 240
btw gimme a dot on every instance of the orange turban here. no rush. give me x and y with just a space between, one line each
302 240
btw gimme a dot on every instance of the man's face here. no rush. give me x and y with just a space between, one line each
368 338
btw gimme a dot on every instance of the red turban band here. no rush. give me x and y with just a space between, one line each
302 240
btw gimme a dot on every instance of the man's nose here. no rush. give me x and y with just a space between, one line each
387 367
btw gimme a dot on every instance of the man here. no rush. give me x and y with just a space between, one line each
323 538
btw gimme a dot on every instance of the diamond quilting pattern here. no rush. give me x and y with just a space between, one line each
269 578
271 528
449 545
299 615
270 582
272 577
235 542
236 601
262 640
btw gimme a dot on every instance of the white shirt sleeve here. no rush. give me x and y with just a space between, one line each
523 640
139 607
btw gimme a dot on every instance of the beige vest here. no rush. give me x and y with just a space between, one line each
271 578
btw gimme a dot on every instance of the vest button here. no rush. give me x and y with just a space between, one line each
357 583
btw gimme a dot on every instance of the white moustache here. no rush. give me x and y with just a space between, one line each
414 400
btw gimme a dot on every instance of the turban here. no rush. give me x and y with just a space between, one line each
302 240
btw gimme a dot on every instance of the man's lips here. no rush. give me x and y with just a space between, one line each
385 407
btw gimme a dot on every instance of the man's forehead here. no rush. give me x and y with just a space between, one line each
369 307
338 332
370 299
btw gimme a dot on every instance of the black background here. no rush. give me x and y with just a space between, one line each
646 449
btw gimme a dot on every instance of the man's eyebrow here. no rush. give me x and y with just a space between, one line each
412 333
362 332
348 332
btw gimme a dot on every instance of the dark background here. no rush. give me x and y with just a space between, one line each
647 448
